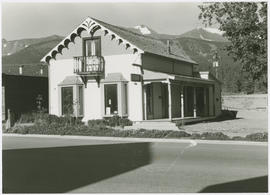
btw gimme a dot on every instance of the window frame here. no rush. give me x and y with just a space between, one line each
75 95
61 92
120 98
84 39
115 85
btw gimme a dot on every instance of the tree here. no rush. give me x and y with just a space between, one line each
245 26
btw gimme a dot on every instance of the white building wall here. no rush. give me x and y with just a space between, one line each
59 69
92 101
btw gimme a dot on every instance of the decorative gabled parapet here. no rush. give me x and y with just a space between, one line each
91 26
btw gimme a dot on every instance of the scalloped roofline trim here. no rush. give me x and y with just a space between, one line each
91 26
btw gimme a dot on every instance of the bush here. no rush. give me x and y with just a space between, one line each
113 121
257 137
239 138
46 119
27 118
99 123
179 124
53 125
176 134
118 121
214 136
125 122
228 114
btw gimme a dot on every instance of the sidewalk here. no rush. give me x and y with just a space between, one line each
131 139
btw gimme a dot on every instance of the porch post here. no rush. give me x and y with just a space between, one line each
144 102
170 100
204 102
182 102
194 103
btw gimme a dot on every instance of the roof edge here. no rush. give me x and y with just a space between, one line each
91 26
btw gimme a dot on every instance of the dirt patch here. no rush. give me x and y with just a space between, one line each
251 117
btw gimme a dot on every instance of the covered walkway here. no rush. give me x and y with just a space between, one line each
175 97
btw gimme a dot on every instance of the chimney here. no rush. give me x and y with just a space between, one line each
168 46
21 69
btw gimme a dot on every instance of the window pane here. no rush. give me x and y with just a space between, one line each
67 100
98 47
92 47
111 106
88 47
80 100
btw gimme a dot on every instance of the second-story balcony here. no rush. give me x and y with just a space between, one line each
89 65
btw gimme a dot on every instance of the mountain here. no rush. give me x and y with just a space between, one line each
200 44
143 30
11 47
207 34
28 50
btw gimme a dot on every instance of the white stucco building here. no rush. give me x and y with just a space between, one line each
101 70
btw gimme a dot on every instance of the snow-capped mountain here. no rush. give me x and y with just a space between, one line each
143 29
206 34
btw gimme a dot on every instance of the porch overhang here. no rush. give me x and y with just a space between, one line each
152 76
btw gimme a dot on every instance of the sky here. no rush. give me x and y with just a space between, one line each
34 20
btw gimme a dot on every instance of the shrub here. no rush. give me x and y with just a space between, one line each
196 136
124 122
214 136
180 124
257 137
178 134
113 121
46 119
238 138
27 118
117 121
99 123
228 114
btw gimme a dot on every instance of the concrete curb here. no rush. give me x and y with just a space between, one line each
129 139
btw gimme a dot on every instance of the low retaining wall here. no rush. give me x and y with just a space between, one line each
245 102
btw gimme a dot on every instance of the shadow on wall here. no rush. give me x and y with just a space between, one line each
253 185
61 169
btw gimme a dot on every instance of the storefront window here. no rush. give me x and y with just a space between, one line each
67 100
80 100
125 99
111 104
71 100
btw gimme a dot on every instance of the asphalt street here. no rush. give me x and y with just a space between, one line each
42 164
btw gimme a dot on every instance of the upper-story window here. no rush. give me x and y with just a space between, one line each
92 46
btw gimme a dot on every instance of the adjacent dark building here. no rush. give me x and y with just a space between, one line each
21 85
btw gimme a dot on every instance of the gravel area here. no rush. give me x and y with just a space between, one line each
247 122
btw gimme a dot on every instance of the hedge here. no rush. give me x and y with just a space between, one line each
53 125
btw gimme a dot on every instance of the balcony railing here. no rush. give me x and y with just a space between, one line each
89 65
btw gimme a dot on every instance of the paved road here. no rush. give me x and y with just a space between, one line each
32 164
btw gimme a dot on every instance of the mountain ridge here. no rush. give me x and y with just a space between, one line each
199 44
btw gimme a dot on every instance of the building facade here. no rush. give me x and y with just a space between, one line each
100 70
21 86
